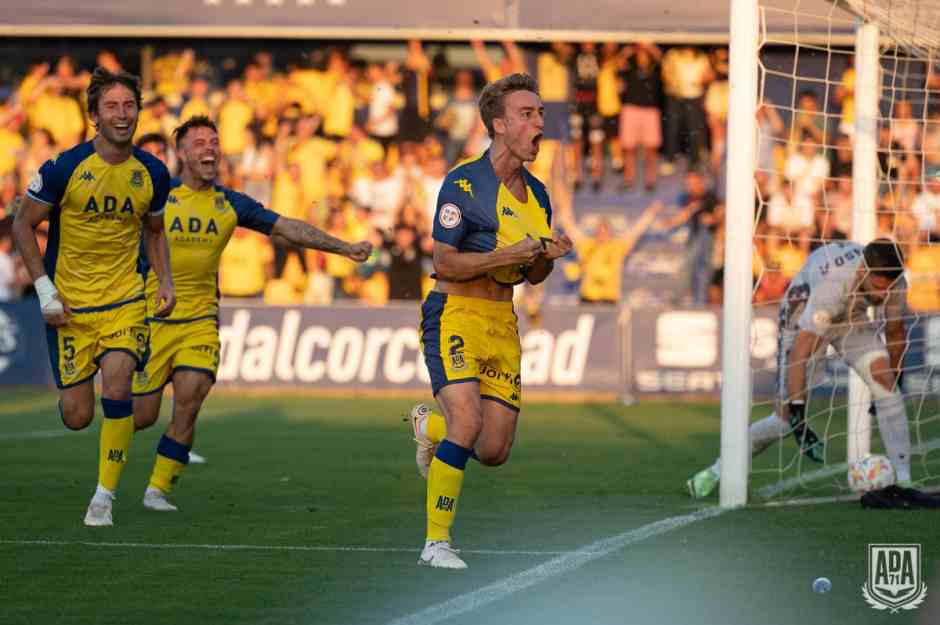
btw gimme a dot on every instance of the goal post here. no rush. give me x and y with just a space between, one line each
739 230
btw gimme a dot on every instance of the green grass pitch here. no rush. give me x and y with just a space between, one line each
311 511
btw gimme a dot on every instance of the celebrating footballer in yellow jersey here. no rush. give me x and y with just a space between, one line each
491 231
184 347
99 197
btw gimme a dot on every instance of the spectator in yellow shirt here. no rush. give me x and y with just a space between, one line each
234 118
198 102
601 256
245 265
923 265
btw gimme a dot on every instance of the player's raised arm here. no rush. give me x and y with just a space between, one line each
158 252
303 234
30 214
641 225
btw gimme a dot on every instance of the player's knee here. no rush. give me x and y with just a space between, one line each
496 455
144 418
76 415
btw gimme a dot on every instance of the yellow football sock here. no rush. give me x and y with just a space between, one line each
117 430
172 458
445 479
437 427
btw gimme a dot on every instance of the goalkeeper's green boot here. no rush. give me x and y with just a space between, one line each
702 483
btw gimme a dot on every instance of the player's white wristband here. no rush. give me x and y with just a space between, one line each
47 293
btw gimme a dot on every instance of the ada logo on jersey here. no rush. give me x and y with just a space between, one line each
449 216
894 577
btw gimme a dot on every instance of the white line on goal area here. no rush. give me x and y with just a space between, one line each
38 434
304 548
773 490
560 565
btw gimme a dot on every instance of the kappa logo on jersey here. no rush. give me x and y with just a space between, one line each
449 216
87 176
194 226
465 185
220 203
172 199
137 178
508 212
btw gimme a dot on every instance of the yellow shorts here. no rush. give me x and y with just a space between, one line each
76 349
178 345
468 339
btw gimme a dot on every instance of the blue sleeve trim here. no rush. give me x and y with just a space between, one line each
251 213
159 177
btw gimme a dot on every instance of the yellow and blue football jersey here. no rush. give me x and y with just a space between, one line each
95 223
198 225
477 213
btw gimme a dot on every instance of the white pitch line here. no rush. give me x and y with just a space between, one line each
560 565
26 436
306 548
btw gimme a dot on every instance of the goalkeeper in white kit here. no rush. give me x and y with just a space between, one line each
827 304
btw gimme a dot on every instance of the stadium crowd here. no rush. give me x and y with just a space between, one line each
360 146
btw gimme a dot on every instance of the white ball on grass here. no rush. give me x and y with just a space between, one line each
822 585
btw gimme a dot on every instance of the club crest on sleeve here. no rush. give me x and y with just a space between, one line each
137 178
449 216
35 185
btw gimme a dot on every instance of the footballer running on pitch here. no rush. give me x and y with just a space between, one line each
99 196
184 347
491 232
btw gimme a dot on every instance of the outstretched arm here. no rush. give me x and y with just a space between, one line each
301 233
640 226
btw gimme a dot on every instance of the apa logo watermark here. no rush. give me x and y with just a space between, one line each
9 333
894 581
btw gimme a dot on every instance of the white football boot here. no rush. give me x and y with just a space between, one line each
440 555
195 458
426 449
155 499
99 512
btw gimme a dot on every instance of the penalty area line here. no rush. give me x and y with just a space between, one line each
38 434
559 565
302 548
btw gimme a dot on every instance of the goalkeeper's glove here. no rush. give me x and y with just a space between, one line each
806 438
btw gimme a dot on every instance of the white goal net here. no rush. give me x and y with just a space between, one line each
848 150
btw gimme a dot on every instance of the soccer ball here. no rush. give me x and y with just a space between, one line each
870 473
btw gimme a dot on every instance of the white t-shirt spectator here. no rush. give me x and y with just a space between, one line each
790 214
7 277
808 175
383 119
387 196
925 208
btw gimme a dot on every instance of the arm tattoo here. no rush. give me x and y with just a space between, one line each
305 235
